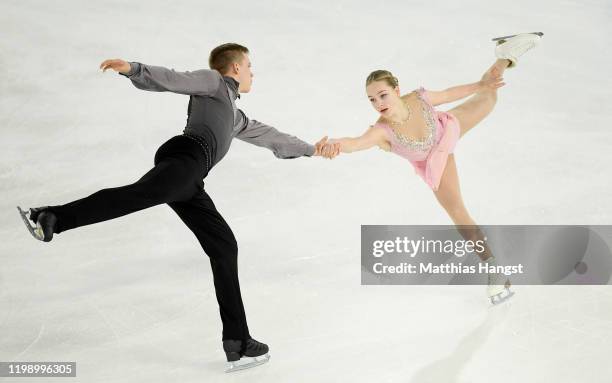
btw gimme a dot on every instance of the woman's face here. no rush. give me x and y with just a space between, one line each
383 97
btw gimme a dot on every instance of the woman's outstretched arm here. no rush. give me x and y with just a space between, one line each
461 91
452 94
372 137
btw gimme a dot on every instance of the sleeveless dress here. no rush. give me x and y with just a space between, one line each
429 155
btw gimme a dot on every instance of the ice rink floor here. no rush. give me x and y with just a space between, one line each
132 300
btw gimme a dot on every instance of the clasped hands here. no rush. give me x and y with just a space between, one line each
327 149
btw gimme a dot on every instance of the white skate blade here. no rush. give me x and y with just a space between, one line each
505 46
36 231
247 362
507 37
501 296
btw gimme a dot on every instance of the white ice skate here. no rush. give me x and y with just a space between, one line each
246 362
498 285
514 46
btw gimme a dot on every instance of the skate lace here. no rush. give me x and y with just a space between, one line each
493 278
525 46
254 345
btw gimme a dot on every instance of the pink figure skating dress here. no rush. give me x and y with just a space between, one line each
428 155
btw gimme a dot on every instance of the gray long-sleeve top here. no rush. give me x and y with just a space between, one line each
212 111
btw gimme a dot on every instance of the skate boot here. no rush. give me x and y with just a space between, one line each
44 222
244 354
498 285
514 46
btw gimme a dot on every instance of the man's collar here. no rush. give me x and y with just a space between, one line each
233 85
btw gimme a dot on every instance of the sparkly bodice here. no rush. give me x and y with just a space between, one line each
422 144
428 155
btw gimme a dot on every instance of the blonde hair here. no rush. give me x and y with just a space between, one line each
382 75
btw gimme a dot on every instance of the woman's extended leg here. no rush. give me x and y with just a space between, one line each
477 107
449 196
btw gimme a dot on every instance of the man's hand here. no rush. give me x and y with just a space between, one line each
117 65
325 149
330 150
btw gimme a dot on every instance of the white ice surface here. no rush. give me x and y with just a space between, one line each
132 300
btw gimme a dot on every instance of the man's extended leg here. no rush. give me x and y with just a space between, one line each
219 243
171 179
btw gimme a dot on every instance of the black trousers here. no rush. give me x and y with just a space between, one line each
176 179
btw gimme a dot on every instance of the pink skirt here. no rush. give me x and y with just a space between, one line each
432 167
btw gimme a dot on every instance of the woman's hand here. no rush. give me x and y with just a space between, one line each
326 149
492 81
117 65
331 150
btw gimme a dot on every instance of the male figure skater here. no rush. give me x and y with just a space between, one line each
181 163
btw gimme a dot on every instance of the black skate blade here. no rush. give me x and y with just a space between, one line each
36 231
507 37
501 297
247 362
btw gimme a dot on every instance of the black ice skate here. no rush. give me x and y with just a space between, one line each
44 222
241 355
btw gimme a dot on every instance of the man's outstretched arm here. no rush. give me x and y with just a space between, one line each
203 82
283 145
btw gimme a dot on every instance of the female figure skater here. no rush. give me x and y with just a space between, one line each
411 127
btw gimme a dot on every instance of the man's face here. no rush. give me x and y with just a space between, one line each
245 76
